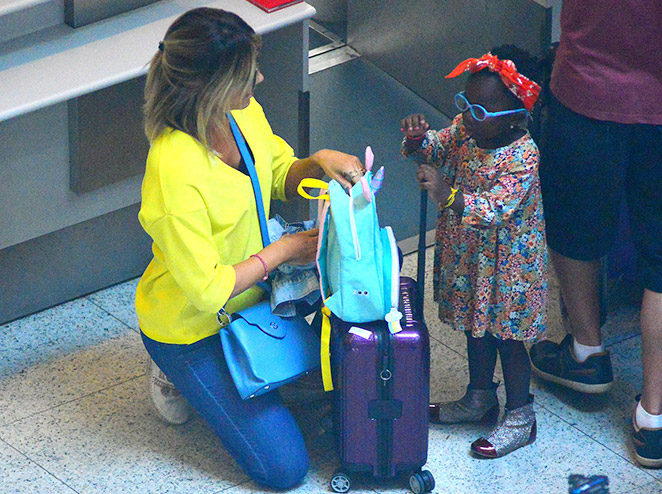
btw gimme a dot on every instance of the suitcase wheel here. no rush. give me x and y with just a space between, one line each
341 482
421 482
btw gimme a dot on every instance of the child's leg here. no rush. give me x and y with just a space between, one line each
480 403
482 355
516 372
518 426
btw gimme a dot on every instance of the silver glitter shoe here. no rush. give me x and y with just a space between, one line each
477 405
517 428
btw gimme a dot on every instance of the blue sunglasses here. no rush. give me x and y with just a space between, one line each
478 112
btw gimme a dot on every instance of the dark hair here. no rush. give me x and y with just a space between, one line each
527 65
207 57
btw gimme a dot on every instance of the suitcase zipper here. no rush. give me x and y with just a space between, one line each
384 392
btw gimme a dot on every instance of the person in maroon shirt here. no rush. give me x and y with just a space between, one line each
603 141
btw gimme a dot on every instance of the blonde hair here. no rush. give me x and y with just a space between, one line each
207 60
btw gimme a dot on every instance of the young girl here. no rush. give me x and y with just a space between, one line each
490 270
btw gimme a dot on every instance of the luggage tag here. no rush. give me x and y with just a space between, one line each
360 332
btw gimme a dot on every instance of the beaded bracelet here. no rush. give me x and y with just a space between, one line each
264 265
416 138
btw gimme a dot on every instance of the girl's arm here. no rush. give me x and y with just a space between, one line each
426 146
491 208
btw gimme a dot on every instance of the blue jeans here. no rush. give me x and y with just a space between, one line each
260 433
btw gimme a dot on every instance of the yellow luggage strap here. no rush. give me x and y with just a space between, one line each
325 351
312 183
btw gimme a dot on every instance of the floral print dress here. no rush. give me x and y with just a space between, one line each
490 269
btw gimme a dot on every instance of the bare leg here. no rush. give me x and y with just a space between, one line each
580 288
651 343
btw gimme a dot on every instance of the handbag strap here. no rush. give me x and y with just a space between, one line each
252 173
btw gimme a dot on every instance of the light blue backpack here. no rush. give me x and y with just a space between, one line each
357 260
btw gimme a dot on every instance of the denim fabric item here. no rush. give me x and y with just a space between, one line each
294 289
260 434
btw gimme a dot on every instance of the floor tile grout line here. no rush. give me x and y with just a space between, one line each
38 465
110 314
562 419
58 405
638 335
448 347
247 481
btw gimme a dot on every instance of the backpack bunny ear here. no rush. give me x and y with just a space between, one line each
369 158
365 187
377 179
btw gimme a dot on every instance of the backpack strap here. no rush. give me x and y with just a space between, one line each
325 347
313 183
325 350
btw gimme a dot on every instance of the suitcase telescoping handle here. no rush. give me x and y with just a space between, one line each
420 267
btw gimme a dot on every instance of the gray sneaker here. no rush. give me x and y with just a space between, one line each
170 406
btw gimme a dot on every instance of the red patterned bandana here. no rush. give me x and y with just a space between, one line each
525 89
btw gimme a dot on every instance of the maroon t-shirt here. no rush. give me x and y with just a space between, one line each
609 62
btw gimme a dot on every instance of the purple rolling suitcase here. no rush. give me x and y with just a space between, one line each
381 397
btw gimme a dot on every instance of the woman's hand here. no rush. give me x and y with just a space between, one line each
339 166
301 246
414 125
430 180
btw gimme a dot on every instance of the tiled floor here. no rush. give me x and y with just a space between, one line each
75 417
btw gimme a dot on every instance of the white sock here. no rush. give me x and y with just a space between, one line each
646 420
582 352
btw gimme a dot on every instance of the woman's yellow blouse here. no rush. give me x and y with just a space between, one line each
202 217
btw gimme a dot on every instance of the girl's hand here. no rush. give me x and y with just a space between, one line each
301 246
430 180
339 166
414 125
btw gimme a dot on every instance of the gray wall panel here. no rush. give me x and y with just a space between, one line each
107 141
421 41
72 262
35 198
27 20
78 13
281 64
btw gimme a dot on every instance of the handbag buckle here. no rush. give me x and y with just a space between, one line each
223 318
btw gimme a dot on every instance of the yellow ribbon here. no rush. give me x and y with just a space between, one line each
325 352
312 183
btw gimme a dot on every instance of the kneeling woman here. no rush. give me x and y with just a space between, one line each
199 208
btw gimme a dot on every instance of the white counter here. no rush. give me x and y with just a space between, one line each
61 63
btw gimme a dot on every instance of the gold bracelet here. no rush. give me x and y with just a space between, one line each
451 198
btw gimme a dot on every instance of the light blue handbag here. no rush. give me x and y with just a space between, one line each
264 351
